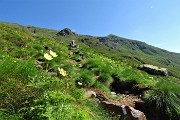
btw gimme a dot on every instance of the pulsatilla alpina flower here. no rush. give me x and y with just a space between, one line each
47 56
62 72
53 53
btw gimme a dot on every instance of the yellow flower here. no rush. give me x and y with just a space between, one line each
47 56
79 83
62 72
53 53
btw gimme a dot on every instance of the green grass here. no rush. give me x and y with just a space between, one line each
58 99
4 115
15 95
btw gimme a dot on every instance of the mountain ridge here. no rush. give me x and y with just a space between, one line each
16 25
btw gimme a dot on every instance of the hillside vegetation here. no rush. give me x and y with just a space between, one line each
41 78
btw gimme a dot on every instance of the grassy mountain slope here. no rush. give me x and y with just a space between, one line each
121 47
35 86
135 52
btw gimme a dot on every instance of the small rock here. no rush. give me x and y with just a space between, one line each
90 94
113 93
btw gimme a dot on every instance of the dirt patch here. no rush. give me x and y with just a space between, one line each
130 100
122 108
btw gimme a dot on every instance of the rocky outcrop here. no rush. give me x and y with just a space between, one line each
115 108
65 32
154 70
123 111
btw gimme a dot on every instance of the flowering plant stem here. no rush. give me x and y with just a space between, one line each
47 67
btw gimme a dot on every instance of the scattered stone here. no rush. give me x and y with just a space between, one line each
123 111
54 74
72 44
130 100
38 63
71 54
130 111
113 93
80 65
47 47
118 109
90 94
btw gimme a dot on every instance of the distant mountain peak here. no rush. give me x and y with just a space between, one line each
112 36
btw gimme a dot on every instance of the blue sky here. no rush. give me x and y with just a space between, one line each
156 22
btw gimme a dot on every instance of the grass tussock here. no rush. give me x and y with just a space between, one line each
164 99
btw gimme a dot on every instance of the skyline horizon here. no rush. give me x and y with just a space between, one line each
154 22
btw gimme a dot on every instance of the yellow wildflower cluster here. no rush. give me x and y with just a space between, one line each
53 53
50 55
62 72
47 56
